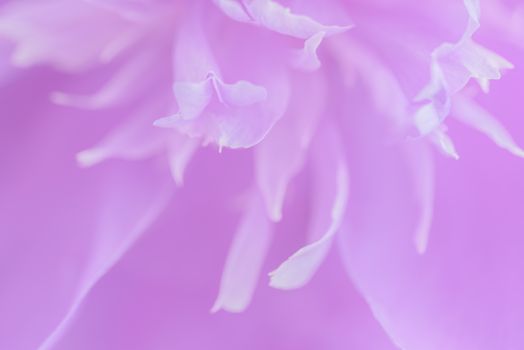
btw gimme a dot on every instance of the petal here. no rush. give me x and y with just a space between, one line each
169 279
471 114
245 259
134 139
240 116
441 139
74 235
307 58
235 115
60 33
465 292
114 235
423 173
192 98
281 155
454 64
329 203
130 79
273 16
180 151
240 94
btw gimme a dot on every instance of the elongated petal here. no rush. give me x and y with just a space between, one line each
126 83
282 153
422 168
470 113
37 29
74 235
113 237
329 204
464 293
135 139
245 259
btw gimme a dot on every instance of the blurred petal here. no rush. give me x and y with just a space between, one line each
37 29
245 259
282 153
331 181
473 115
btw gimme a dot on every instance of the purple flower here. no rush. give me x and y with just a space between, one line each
217 142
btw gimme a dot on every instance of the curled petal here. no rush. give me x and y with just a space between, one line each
235 115
330 198
452 66
307 58
230 115
273 16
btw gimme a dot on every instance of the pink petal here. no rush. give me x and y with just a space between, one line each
470 113
245 259
37 29
72 210
329 204
281 155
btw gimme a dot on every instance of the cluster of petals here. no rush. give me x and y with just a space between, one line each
280 132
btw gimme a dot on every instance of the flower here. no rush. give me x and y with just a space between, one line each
268 137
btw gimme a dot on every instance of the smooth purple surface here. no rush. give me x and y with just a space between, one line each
160 158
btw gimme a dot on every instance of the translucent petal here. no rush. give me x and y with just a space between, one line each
245 259
330 196
471 114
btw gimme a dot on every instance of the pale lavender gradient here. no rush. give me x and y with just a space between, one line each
236 139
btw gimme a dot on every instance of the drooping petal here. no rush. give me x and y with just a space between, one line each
154 281
281 155
134 139
114 236
81 221
331 182
245 258
423 176
127 82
